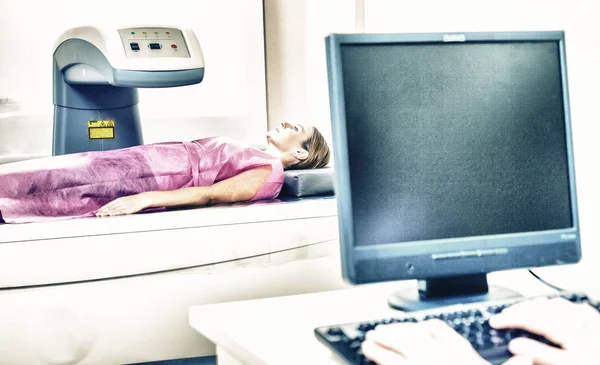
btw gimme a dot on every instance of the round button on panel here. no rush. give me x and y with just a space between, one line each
173 46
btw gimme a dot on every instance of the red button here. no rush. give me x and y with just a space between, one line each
173 46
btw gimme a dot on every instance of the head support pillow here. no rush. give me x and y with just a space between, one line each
308 182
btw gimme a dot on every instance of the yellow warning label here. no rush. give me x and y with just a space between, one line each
102 133
101 129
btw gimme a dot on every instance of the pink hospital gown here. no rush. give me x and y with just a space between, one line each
77 185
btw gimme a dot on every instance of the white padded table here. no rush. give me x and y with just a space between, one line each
95 248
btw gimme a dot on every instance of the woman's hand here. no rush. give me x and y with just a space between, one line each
241 187
575 327
125 205
424 343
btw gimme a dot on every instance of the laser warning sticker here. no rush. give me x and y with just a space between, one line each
101 129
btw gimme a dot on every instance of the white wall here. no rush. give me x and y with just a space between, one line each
296 69
285 23
230 101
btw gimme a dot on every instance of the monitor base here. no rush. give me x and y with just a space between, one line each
434 293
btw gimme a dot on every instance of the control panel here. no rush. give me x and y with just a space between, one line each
153 43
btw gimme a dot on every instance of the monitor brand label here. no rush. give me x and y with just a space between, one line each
454 37
568 236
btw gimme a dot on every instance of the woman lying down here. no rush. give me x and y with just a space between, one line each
175 174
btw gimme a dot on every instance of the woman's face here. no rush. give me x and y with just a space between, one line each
289 137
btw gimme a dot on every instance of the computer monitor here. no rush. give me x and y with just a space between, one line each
453 158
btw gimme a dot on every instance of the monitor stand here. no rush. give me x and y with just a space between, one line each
442 292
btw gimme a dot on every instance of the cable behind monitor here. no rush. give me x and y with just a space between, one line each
547 283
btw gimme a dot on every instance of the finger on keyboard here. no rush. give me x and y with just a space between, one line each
539 352
381 355
532 316
402 337
441 331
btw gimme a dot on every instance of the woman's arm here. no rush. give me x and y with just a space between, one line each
241 187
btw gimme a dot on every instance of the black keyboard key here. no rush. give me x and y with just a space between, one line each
366 327
496 309
358 356
335 331
355 345
462 329
574 297
475 313
496 354
463 314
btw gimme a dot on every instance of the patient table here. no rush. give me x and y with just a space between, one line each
116 290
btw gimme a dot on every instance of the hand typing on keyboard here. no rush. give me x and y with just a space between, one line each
568 333
424 343
575 328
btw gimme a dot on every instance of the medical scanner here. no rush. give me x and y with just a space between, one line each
96 75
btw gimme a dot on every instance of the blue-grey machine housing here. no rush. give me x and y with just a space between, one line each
96 73
441 258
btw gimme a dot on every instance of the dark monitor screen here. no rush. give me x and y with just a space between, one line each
451 140
451 157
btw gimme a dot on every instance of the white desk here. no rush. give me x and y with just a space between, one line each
280 330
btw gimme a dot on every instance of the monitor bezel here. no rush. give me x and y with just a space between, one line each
432 258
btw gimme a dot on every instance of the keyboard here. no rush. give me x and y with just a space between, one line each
470 320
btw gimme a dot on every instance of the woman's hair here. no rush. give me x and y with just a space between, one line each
318 152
